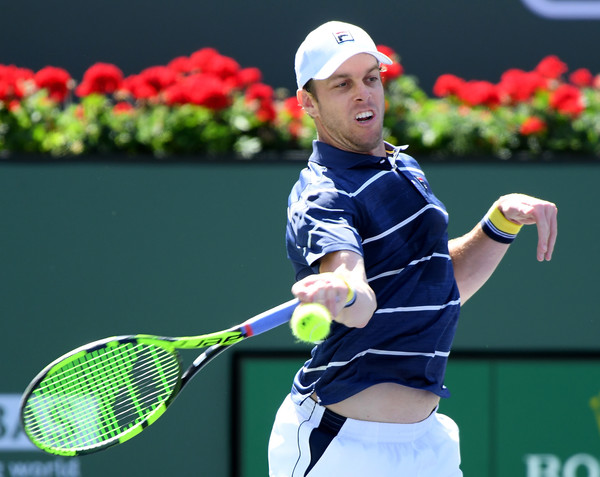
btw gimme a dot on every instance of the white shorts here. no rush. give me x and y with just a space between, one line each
308 440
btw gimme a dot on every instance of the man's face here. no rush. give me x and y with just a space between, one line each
348 107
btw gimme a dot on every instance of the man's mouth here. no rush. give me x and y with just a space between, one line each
364 116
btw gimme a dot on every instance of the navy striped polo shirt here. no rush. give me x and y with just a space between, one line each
383 209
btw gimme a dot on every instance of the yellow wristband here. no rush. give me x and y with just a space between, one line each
502 223
351 297
498 227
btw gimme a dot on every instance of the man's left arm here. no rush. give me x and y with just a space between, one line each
476 255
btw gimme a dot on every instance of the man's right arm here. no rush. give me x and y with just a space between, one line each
341 274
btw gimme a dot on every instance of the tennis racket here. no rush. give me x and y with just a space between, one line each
108 391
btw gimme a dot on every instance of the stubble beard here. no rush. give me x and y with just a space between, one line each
338 136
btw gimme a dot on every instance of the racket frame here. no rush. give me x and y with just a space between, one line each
215 343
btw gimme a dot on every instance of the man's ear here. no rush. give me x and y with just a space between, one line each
307 101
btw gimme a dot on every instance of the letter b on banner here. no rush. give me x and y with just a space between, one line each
549 465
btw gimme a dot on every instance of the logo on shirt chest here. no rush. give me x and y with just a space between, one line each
420 183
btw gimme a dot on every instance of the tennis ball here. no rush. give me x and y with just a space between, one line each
310 322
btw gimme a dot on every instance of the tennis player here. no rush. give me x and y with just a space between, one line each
368 239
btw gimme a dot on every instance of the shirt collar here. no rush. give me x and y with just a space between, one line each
332 157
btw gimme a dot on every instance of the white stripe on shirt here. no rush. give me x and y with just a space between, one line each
403 309
404 222
414 262
381 352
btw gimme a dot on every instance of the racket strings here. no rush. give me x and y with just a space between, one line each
96 368
123 399
109 404
75 384
98 396
78 397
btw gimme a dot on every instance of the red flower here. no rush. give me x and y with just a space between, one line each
567 99
14 105
209 60
55 80
137 87
266 112
5 90
262 96
295 129
387 51
518 85
232 82
150 82
447 85
295 111
122 107
476 93
532 125
202 90
210 92
393 71
293 108
181 64
390 72
248 76
259 91
158 77
582 78
202 58
179 93
13 82
551 67
222 66
102 78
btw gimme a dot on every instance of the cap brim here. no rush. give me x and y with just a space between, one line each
335 62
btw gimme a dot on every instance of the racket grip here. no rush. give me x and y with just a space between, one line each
270 319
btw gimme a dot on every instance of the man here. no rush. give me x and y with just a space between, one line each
368 239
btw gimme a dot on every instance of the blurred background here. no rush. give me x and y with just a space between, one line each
93 248
474 40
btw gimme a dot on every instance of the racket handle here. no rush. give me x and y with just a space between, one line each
270 319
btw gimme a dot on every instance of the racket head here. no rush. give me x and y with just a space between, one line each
101 394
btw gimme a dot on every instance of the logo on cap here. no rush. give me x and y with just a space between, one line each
343 36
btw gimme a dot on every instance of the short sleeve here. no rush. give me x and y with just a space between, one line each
320 222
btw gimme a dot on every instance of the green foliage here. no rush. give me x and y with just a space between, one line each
448 127
442 127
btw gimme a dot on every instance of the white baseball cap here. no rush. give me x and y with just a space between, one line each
328 46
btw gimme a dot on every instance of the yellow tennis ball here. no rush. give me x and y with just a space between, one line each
311 322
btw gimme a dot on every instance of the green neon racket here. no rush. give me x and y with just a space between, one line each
108 391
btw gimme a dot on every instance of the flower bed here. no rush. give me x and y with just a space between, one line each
206 103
